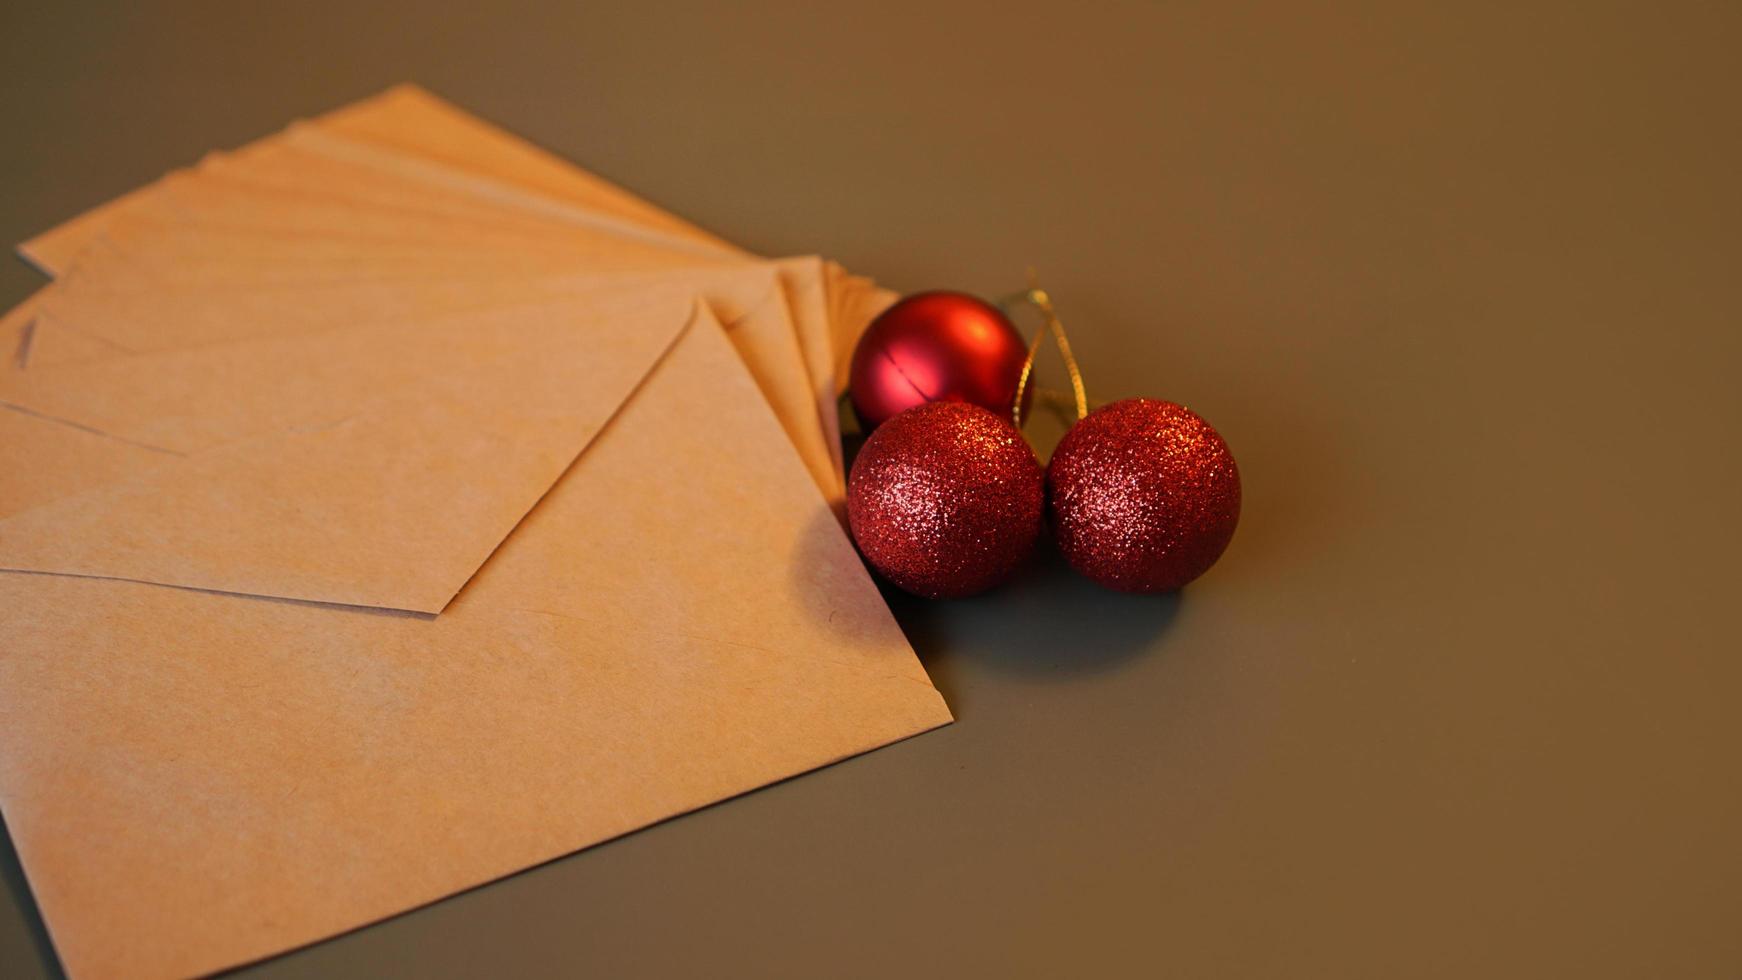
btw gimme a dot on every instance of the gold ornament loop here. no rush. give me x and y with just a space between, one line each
1038 298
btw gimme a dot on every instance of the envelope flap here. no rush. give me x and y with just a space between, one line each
394 504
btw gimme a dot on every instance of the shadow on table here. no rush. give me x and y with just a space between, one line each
1047 623
19 897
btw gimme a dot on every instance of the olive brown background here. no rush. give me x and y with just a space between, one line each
1459 284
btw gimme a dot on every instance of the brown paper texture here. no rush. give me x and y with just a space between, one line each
450 145
399 360
195 334
196 780
388 500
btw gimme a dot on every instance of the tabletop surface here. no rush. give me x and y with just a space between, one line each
1459 286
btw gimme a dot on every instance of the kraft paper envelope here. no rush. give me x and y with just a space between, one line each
343 259
160 526
188 324
54 250
181 232
371 489
405 113
195 780
218 522
219 205
47 350
73 307
302 517
77 317
748 296
816 435
177 268
677 620
42 460
411 121
185 236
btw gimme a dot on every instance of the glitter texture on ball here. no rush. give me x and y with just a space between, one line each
946 500
1144 496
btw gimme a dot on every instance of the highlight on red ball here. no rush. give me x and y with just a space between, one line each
932 347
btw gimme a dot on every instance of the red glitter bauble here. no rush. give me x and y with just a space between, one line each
1144 495
935 347
945 499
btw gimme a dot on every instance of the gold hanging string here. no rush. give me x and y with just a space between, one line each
1038 298
1060 403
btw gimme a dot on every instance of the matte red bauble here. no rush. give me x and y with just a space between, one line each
1144 495
934 347
946 499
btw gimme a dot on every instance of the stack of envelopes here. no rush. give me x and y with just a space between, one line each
388 506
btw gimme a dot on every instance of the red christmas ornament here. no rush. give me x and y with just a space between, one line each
946 499
933 347
1144 495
